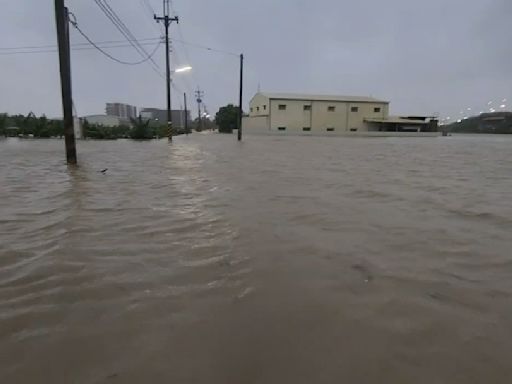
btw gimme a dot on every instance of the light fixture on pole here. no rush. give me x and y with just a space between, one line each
183 69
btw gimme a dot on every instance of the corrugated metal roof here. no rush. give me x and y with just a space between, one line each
305 96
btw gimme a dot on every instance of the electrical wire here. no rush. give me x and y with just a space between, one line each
80 48
206 48
75 24
151 13
78 44
121 26
120 41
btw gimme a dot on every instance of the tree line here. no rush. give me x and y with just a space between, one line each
226 120
42 127
30 125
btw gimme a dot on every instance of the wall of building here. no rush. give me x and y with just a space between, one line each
160 115
294 118
323 117
259 106
255 124
326 120
355 120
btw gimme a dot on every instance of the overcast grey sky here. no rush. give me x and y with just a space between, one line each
423 56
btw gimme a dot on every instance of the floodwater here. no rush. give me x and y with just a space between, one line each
274 260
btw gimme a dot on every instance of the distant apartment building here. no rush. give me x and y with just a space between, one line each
124 111
107 120
305 114
160 116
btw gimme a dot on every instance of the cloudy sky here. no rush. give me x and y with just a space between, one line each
424 56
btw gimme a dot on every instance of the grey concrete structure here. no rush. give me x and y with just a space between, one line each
124 111
160 116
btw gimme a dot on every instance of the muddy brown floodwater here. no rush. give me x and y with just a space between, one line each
275 260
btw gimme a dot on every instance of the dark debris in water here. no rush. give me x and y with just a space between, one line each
364 271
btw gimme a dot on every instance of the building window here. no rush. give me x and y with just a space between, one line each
281 128
376 109
353 129
307 107
251 109
306 129
258 109
265 107
282 107
330 129
331 108
354 109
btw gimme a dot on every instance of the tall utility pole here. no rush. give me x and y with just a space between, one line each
167 22
62 21
240 97
199 99
186 112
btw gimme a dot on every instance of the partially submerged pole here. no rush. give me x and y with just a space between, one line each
240 97
62 21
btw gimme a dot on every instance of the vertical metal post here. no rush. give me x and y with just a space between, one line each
62 21
186 112
240 97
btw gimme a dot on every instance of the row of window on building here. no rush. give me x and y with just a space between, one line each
308 129
330 108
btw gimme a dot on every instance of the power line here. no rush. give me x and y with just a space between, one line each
151 13
149 7
121 27
206 48
118 26
79 44
109 55
79 48
120 41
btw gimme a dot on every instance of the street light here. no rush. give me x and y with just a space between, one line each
182 69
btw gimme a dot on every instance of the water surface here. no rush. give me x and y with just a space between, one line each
274 260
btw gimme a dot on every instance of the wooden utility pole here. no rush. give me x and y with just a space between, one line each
62 21
186 112
167 22
240 97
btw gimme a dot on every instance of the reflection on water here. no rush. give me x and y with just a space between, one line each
274 260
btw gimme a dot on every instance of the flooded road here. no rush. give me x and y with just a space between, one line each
274 260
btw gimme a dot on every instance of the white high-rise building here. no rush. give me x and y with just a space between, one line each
124 111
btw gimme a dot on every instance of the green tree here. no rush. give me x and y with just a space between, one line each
227 118
3 124
56 128
42 127
141 130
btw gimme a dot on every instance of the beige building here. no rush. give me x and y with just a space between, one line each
322 114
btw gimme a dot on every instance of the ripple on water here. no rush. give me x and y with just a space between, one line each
324 259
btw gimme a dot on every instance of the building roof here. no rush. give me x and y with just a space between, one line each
306 96
396 120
